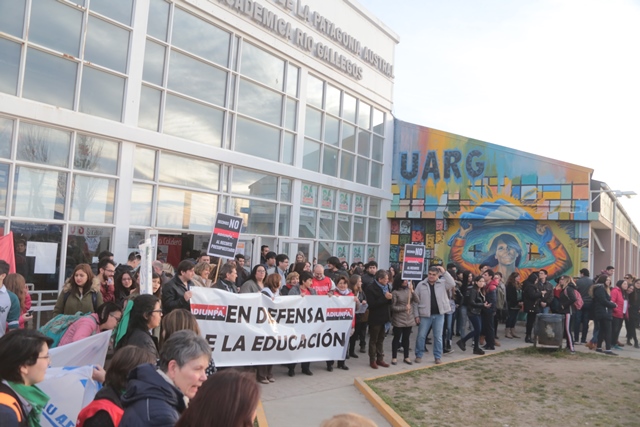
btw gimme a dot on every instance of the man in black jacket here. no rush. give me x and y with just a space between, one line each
379 300
176 292
227 281
582 316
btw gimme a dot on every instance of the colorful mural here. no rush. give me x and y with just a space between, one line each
470 202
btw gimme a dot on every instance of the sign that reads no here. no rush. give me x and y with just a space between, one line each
224 238
413 263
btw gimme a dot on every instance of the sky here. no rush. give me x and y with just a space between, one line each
557 78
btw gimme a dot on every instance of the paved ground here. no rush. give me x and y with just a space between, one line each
304 400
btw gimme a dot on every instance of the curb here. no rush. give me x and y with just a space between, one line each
261 417
384 409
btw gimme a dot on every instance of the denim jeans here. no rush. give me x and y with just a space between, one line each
545 310
436 321
476 321
447 332
461 312
581 323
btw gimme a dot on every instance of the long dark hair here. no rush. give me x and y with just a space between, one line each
508 240
236 396
105 310
120 291
253 273
124 360
397 282
512 280
143 306
86 268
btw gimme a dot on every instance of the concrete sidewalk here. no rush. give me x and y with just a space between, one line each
308 400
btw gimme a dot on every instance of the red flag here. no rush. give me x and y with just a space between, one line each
6 251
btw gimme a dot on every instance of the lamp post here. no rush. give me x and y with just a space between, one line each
616 194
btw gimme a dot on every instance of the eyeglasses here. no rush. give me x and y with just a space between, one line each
118 319
157 311
48 356
110 271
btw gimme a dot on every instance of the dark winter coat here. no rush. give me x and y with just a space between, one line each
141 339
583 284
476 301
150 401
567 298
512 297
379 313
531 295
602 304
101 418
173 295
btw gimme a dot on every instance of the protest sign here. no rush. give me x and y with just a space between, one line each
70 390
224 238
253 329
88 351
413 263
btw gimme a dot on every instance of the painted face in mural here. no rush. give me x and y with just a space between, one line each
505 254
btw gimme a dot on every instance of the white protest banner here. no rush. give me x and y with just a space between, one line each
88 351
252 329
70 390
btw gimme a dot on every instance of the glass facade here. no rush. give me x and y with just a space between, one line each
170 124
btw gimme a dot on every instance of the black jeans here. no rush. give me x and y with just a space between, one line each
605 333
476 322
513 318
616 326
487 328
376 342
531 320
400 335
630 324
581 323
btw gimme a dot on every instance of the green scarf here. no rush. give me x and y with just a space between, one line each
123 326
36 398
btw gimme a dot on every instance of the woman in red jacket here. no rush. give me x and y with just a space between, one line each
619 296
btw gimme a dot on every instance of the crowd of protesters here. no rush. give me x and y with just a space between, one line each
162 373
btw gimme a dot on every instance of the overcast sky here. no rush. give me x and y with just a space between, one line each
559 78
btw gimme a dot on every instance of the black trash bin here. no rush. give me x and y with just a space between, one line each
548 330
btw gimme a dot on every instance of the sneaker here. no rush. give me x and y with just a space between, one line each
617 347
447 351
610 353
478 351
462 345
599 350
489 348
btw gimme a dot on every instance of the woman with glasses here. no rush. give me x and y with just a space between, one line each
256 280
125 286
24 359
106 319
141 314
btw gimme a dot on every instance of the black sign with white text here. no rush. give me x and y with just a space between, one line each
413 263
224 238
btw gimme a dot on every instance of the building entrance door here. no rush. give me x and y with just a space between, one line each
291 247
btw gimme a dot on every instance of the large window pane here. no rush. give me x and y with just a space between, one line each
158 19
92 199
307 227
39 193
292 80
333 100
197 79
153 63
358 229
347 166
56 26
85 244
189 33
330 161
12 17
358 253
38 144
313 123
374 207
284 222
9 65
360 205
6 134
144 164
259 102
331 130
40 232
364 115
344 227
372 253
328 200
49 79
291 115
349 108
257 139
4 186
364 143
376 175
327 226
96 155
106 45
285 189
344 202
101 94
288 149
348 137
149 114
141 204
325 250
378 122
362 173
188 172
258 217
374 230
311 156
187 210
377 148
314 91
118 10
194 121
262 66
249 183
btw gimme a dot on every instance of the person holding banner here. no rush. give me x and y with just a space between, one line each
106 408
342 290
24 359
304 288
256 280
176 293
264 373
228 276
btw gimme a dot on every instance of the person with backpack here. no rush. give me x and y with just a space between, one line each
105 319
80 293
566 306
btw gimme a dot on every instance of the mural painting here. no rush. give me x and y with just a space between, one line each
470 203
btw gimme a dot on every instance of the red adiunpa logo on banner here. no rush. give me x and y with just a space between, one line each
339 314
209 312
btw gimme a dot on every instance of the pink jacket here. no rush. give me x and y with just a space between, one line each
81 328
616 296
27 307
